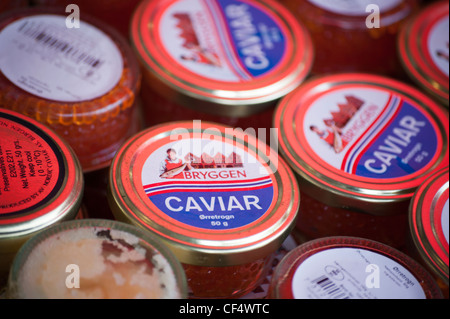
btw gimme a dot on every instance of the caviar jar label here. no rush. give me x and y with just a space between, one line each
42 56
354 7
232 41
31 167
217 186
351 273
370 133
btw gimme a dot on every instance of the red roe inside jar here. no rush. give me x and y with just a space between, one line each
343 40
320 220
81 82
350 268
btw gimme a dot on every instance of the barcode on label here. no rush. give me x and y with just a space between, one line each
50 41
329 288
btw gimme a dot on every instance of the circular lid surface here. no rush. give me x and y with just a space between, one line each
351 268
41 179
359 140
235 55
215 195
429 222
424 49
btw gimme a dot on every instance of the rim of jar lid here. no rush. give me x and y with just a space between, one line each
146 237
85 111
427 225
392 15
413 44
61 202
298 255
342 187
192 89
197 243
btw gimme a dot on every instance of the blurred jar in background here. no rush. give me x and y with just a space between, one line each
116 13
348 39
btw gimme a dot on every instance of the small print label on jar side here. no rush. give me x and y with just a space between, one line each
207 184
354 7
351 273
438 45
42 56
230 41
370 133
29 167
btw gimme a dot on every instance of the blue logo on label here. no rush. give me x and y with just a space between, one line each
253 41
402 142
213 205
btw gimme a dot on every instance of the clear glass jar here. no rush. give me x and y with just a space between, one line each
81 82
350 268
41 183
215 196
95 259
196 67
361 145
423 48
344 41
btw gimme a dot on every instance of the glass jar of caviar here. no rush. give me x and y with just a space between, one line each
81 82
429 226
116 13
218 197
95 259
356 35
41 183
220 60
424 50
350 268
360 145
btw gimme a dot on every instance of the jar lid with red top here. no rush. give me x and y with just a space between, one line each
228 58
362 141
424 50
41 177
350 268
429 222
80 80
41 182
216 196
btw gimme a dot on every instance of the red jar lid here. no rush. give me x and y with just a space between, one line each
216 196
350 268
429 222
361 141
230 58
41 179
424 49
